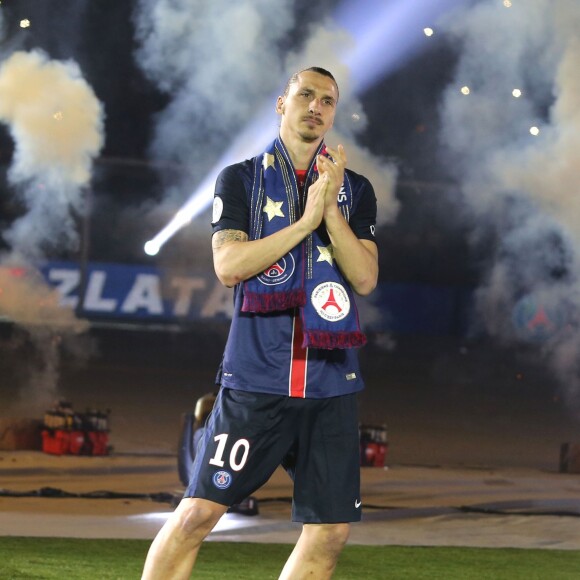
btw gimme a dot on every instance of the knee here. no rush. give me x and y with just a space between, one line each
338 534
195 518
331 537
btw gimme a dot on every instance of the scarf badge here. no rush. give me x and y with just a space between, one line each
306 278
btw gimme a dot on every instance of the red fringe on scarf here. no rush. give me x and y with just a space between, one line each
254 302
330 340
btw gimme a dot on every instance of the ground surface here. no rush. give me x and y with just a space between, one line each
472 431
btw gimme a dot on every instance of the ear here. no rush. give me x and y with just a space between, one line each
280 105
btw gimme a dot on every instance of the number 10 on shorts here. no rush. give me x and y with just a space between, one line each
242 444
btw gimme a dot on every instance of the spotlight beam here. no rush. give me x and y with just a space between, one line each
385 39
387 36
258 133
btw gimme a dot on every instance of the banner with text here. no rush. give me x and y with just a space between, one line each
149 294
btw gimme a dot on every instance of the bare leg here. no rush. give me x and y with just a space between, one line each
316 552
174 550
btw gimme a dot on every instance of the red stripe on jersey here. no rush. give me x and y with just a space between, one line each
298 359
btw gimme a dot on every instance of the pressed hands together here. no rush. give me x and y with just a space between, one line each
236 258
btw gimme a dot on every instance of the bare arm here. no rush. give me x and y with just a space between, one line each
358 260
236 259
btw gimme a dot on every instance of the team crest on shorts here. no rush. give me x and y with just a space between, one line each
222 479
279 272
331 301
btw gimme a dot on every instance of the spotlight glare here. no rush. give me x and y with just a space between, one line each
507 3
383 32
535 131
465 90
25 23
182 218
383 44
151 248
58 116
517 93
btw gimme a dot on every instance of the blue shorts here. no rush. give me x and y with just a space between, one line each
248 435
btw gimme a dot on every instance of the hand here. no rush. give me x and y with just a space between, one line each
315 203
334 169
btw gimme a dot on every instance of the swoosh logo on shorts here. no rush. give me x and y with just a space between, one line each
357 503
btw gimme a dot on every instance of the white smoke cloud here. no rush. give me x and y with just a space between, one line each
218 60
548 169
224 64
57 126
523 188
42 326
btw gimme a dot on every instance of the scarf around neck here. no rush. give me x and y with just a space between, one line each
307 277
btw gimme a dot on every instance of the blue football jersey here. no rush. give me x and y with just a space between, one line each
264 352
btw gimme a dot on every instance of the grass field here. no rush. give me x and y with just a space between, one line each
79 559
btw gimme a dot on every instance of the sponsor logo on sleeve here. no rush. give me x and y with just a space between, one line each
218 208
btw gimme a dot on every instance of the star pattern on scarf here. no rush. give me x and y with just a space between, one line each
268 161
326 254
273 208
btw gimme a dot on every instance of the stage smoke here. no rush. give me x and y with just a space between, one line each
57 126
222 83
522 190
218 61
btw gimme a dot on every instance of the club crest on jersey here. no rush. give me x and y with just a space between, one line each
331 301
222 479
279 272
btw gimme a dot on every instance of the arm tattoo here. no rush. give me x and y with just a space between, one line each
222 237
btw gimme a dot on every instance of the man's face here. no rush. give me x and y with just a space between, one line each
309 108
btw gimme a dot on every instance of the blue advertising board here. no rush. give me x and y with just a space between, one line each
149 294
138 292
